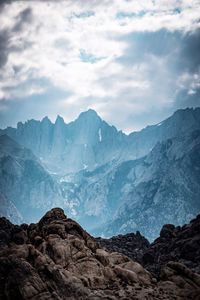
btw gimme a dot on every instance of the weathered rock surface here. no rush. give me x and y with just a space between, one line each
131 244
57 259
178 244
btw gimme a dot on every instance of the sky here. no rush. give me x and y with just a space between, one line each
134 62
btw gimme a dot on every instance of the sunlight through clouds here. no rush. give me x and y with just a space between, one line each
99 53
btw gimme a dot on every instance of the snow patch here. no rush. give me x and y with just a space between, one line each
100 135
159 124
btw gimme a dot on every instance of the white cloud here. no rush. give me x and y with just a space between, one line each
50 46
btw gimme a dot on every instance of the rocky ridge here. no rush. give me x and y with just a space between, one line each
57 259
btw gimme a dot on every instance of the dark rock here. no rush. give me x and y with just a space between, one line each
54 214
131 245
57 260
179 244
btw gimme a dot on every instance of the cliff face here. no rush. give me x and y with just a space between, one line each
57 259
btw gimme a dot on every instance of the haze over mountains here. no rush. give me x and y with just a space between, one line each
109 181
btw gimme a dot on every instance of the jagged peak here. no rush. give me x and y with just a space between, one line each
59 119
89 113
46 120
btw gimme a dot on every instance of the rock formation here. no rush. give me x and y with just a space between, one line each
181 244
131 244
57 259
178 244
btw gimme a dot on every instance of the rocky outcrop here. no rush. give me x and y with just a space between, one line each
180 244
131 244
57 259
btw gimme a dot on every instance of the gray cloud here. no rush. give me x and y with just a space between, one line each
5 34
4 46
189 54
23 18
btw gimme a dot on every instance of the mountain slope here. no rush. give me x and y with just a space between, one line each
8 210
163 187
24 182
143 194
182 122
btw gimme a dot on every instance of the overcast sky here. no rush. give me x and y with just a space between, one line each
134 62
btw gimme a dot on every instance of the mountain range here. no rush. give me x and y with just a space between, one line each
108 181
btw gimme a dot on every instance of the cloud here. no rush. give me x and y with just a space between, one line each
123 58
24 17
4 44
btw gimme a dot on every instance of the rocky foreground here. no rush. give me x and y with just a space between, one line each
57 259
178 244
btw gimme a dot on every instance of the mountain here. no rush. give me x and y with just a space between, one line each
109 181
85 143
143 194
89 142
162 187
182 122
57 259
26 188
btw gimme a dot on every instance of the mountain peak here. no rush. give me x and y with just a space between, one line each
89 113
59 119
90 116
46 120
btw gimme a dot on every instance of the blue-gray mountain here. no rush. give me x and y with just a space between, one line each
163 187
26 188
112 182
89 142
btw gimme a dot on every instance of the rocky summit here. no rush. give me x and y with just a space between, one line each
57 259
